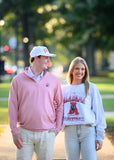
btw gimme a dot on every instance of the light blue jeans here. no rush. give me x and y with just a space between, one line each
80 139
40 142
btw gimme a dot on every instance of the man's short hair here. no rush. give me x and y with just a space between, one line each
32 59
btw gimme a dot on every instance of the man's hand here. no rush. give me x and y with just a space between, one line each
17 141
98 144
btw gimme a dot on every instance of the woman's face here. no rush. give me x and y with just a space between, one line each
78 72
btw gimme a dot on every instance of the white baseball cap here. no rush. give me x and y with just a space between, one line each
41 51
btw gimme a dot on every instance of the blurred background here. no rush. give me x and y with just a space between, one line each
68 28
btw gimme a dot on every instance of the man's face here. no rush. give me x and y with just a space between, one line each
43 62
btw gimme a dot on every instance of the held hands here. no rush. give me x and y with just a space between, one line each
17 141
98 144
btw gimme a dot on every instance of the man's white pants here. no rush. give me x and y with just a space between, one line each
40 142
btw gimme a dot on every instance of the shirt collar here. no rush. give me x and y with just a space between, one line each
31 74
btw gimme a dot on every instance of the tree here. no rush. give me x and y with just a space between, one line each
87 24
26 12
73 26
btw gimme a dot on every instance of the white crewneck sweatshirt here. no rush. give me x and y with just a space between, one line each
81 110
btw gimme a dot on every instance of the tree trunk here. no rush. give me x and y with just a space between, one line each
90 58
25 34
17 47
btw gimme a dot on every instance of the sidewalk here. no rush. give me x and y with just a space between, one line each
8 149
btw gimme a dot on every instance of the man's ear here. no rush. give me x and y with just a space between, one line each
35 58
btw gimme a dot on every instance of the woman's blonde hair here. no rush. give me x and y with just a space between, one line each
85 79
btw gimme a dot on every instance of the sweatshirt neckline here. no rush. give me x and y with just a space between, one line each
77 84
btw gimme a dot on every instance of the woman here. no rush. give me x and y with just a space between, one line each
84 120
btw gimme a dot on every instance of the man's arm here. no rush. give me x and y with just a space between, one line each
13 112
59 108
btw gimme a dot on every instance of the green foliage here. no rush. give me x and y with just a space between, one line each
84 27
87 18
73 24
26 21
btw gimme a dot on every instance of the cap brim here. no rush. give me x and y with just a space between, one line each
49 55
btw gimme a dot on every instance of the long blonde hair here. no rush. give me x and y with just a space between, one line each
85 79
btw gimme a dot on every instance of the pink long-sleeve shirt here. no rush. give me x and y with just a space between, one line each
31 104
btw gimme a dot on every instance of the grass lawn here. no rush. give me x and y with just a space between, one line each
101 80
106 88
108 104
4 89
104 84
3 112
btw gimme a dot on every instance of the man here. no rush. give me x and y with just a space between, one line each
31 107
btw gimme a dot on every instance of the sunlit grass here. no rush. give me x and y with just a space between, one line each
104 84
3 112
4 85
4 89
106 88
102 80
111 74
108 104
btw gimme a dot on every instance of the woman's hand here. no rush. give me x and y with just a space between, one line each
98 144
